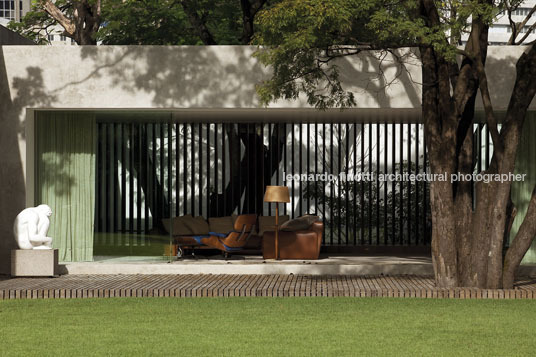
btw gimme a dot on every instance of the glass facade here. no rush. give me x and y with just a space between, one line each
69 154
130 201
116 181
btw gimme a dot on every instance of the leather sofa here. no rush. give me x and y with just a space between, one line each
303 245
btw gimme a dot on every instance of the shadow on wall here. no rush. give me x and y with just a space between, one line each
221 77
377 73
225 76
503 71
29 92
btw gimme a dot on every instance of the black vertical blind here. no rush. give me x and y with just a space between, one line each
151 170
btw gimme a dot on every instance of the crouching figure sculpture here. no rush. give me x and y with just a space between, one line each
31 227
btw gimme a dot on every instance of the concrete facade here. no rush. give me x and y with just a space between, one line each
192 82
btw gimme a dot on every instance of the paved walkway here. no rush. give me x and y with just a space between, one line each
104 286
256 265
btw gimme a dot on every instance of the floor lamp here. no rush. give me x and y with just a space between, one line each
277 194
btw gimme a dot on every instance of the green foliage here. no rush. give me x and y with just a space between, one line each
133 22
28 24
164 22
357 205
302 36
302 39
145 22
37 24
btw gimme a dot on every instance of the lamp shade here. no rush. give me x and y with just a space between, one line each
276 194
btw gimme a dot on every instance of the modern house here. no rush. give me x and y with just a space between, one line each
117 138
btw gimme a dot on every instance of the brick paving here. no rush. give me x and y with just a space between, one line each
106 286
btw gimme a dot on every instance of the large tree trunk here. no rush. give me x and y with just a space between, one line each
520 245
467 241
249 10
522 95
440 131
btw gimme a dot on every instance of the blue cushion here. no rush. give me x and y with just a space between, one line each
231 249
198 239
220 235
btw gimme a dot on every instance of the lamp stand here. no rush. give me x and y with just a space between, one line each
276 194
277 231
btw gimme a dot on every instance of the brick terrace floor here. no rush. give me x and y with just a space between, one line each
105 286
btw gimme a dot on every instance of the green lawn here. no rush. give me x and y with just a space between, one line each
267 326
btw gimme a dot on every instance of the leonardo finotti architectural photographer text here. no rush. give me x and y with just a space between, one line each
383 177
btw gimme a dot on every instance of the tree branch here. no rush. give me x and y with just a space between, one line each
520 244
522 95
249 10
467 79
527 34
520 26
57 15
513 26
488 106
199 25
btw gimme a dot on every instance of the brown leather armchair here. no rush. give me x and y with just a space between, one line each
294 245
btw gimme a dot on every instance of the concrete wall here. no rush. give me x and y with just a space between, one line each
217 80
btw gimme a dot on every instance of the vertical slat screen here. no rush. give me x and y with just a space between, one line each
148 171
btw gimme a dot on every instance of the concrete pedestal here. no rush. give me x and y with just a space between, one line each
31 262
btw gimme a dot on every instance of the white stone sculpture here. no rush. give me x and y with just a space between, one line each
31 227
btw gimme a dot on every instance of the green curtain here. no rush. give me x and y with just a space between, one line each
65 163
521 191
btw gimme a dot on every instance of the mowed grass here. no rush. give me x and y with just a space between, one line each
267 326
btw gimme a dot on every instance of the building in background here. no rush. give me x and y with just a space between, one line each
13 10
501 30
56 37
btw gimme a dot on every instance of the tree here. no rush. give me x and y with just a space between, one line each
80 20
201 15
169 22
142 22
134 22
303 39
